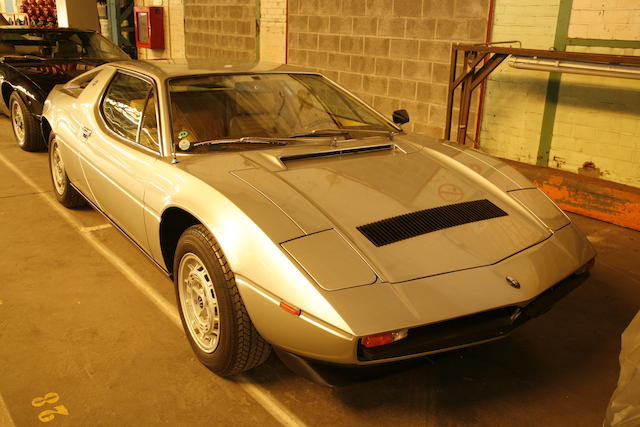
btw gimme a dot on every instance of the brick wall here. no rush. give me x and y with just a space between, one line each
273 30
515 99
220 29
605 19
392 53
597 120
598 123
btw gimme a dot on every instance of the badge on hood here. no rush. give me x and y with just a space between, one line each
513 282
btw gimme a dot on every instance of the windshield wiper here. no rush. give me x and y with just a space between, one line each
246 140
332 132
18 57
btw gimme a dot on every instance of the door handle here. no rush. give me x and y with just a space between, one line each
85 133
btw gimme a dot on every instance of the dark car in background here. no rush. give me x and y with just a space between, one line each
33 61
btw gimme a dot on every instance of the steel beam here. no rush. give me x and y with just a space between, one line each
116 17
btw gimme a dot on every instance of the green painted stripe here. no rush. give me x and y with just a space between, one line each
548 119
258 17
562 25
553 85
625 44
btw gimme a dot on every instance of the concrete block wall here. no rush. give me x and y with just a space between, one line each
391 53
220 29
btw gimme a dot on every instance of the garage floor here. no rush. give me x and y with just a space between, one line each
88 327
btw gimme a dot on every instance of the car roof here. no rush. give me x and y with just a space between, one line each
30 28
169 68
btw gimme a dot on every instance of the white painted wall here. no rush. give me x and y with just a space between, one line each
605 19
273 30
173 30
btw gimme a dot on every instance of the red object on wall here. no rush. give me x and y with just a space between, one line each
149 24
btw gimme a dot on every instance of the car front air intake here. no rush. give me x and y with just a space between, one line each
337 152
397 228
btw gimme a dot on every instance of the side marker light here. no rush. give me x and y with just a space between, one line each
290 309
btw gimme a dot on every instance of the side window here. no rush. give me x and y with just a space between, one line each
149 129
123 104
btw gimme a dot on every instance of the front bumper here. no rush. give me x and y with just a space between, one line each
452 334
472 329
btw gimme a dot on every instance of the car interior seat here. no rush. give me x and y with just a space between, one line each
256 114
202 115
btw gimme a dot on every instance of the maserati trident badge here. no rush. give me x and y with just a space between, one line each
513 282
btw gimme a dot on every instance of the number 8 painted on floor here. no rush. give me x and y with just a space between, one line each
49 414
49 398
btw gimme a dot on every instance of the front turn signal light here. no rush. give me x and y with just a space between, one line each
377 340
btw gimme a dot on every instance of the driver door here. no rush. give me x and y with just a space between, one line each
122 150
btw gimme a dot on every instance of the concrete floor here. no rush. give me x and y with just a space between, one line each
74 322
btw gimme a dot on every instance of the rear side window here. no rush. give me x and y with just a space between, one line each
124 103
80 83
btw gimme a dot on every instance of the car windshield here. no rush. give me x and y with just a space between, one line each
55 44
220 110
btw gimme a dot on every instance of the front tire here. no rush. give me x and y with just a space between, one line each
214 318
25 127
65 193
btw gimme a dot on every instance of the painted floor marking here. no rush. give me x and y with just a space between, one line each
5 416
95 228
260 395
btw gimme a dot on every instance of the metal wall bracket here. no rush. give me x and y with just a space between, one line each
479 60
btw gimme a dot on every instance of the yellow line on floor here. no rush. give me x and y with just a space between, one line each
95 228
5 416
261 396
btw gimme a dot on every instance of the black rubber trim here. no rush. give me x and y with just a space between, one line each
340 152
414 224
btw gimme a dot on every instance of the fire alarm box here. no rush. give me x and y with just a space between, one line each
149 22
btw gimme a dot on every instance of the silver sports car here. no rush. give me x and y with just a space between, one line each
292 215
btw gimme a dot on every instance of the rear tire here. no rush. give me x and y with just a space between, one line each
26 128
213 315
65 193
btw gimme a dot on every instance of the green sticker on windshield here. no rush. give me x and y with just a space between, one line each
183 134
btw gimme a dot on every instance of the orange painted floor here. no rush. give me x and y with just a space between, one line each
596 198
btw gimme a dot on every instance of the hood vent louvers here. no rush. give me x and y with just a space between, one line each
414 224
339 152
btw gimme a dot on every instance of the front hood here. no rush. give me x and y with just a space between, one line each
47 74
346 192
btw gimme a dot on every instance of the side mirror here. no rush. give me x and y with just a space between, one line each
400 117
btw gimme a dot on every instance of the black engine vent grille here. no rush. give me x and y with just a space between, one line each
414 224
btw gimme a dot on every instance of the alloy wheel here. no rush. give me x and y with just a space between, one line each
17 120
57 169
199 303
